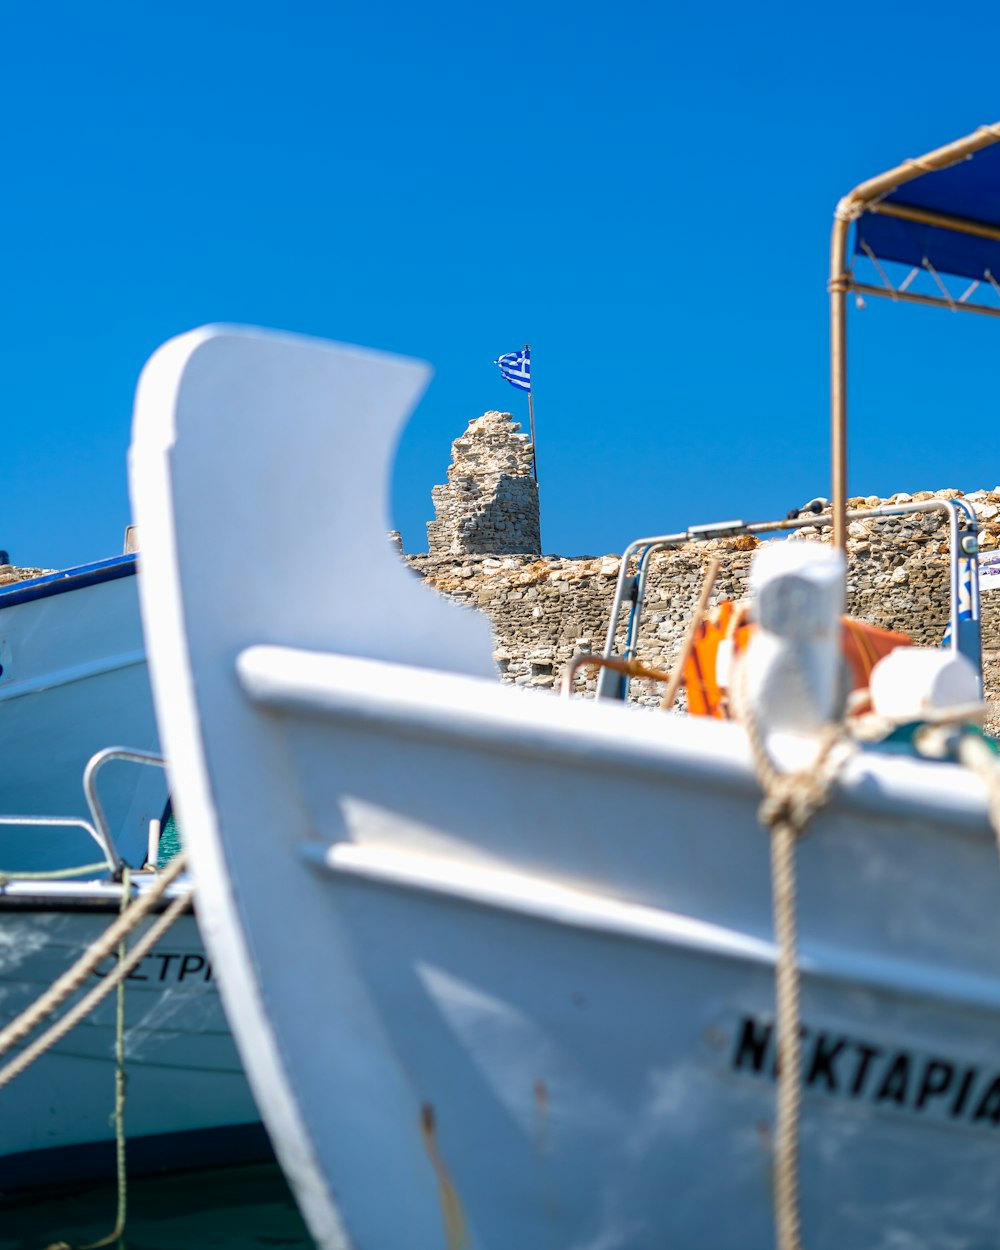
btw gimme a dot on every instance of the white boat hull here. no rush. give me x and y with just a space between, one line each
561 939
73 680
187 1099
500 967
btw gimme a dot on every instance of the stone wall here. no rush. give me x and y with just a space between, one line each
11 573
545 610
489 504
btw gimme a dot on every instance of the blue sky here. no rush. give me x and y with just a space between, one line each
643 193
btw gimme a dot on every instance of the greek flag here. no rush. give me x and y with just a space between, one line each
516 368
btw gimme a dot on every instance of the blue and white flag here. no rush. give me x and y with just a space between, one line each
966 571
968 591
516 368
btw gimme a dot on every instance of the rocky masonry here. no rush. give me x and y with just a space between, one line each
10 573
546 609
490 501
484 545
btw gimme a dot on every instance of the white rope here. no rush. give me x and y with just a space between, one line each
119 1111
81 1009
56 874
790 801
73 978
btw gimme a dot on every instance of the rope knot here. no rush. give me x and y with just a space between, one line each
791 799
789 802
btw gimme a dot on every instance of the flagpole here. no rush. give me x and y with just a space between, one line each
531 424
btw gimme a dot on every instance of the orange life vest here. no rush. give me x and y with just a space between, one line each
862 645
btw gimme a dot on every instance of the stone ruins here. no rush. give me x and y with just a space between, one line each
545 609
490 501
484 552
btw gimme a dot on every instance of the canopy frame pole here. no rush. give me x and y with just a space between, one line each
840 281
863 199
917 297
945 221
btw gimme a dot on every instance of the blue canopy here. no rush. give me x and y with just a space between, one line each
969 190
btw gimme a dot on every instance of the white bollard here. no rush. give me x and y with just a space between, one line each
795 673
925 684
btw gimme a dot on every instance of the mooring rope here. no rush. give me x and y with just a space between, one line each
57 874
114 980
978 757
121 1172
127 960
61 989
119 1112
952 735
790 802
131 914
85 1005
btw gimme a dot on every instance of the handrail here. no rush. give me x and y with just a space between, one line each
626 668
99 830
959 538
94 765
68 822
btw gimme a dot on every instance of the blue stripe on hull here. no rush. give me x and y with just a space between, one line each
68 579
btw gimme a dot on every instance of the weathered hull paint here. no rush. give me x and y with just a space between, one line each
491 958
183 1072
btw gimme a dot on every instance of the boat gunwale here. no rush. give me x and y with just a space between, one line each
63 580
92 895
380 696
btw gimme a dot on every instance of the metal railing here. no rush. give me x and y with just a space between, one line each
963 529
97 827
